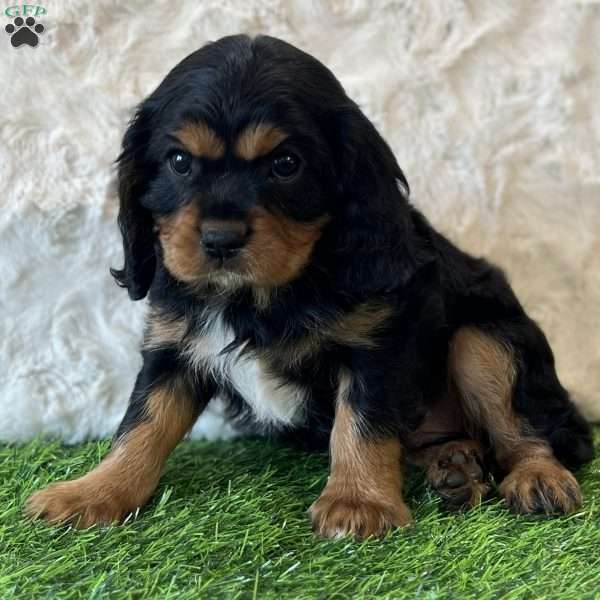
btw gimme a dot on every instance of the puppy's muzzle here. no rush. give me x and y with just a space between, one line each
223 240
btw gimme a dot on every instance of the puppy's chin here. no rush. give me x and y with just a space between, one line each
225 280
225 277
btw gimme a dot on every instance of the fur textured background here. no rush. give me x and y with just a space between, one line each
492 107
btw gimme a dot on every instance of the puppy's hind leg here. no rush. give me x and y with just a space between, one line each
454 464
163 407
485 372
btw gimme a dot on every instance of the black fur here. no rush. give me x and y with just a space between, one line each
376 248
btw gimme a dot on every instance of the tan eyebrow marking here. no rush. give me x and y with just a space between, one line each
257 140
200 140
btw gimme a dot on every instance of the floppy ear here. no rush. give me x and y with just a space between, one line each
135 222
367 170
374 233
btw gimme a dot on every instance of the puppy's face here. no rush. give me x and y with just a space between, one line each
239 206
233 169
238 174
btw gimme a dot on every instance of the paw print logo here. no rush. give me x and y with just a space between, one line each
24 32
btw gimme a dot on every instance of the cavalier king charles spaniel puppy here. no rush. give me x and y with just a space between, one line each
287 273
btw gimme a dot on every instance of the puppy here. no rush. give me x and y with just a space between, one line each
287 273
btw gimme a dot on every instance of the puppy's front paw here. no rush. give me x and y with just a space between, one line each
541 485
77 502
335 516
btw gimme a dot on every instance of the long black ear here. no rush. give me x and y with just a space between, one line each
135 222
375 229
368 172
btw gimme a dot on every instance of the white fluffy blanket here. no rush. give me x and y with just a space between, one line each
491 106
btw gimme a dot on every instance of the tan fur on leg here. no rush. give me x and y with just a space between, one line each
363 496
484 371
128 475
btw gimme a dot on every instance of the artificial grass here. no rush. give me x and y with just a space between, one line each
228 521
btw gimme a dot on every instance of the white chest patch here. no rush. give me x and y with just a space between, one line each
272 400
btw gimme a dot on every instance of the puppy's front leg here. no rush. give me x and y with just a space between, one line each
363 495
163 407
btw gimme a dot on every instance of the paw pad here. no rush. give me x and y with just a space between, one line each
459 476
24 31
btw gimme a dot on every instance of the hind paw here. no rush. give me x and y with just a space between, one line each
541 485
458 474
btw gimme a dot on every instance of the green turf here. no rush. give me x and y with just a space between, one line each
229 521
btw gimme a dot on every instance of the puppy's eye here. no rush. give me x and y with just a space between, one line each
181 162
285 166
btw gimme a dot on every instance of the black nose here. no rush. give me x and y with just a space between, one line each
223 242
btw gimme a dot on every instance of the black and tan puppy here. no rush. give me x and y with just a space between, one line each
288 274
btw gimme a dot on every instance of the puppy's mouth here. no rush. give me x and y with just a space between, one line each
226 274
225 268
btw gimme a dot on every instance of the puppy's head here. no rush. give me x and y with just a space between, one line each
238 164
